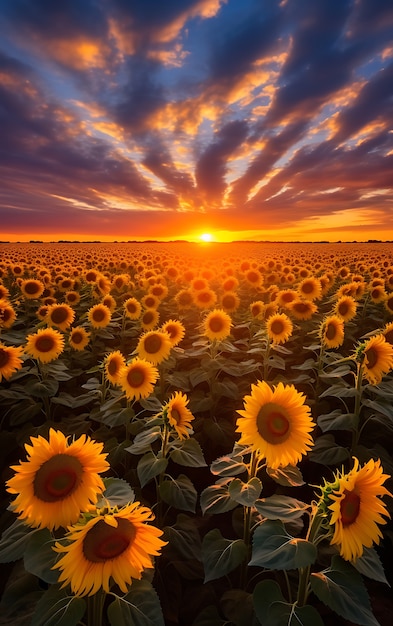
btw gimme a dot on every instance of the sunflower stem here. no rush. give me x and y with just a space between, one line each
304 572
358 405
162 454
95 607
247 516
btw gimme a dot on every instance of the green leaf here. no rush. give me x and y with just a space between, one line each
281 507
43 389
339 391
183 536
271 608
73 402
237 607
189 453
139 607
142 442
149 467
369 564
245 493
228 465
385 409
335 420
220 556
209 616
275 549
216 498
39 558
179 493
14 540
342 589
327 452
117 492
289 476
57 608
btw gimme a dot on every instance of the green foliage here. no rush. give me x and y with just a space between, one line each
274 548
220 556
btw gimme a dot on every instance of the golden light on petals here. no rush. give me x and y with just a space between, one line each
99 316
10 360
138 378
178 415
154 346
175 330
45 345
113 366
79 338
279 328
217 325
332 331
377 359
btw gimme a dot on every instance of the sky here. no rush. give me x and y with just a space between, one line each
172 119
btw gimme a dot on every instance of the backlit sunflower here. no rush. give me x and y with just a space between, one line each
175 330
99 315
230 301
302 309
310 288
332 331
279 328
285 297
60 315
79 338
45 345
276 423
132 308
345 308
184 299
138 378
154 346
115 545
178 415
10 360
256 308
72 298
149 319
388 332
58 481
113 365
205 298
217 325
32 288
7 314
109 301
357 508
388 303
377 356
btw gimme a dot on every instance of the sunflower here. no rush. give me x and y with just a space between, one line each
388 303
4 292
179 416
217 325
138 378
109 301
345 308
149 301
184 299
285 297
256 308
279 328
58 481
72 298
378 294
114 543
357 509
99 315
60 315
204 298
175 330
254 278
302 309
132 308
10 360
150 319
230 301
32 288
377 358
276 423
332 331
45 345
78 338
310 288
113 365
388 332
7 314
154 346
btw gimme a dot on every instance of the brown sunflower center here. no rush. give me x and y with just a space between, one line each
216 324
331 331
204 296
44 344
176 415
113 366
308 288
272 423
136 377
372 357
150 302
59 315
104 542
343 308
171 330
277 327
389 336
57 478
77 337
32 288
131 307
98 315
301 307
148 317
349 507
5 357
153 344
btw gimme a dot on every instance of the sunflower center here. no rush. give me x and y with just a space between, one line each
176 415
215 324
59 315
148 317
272 423
77 337
302 307
113 367
204 296
131 307
171 330
277 327
372 357
135 377
330 331
32 288
4 357
349 507
343 308
308 288
44 344
57 478
99 315
152 344
104 542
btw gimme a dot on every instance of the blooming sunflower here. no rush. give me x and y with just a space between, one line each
78 338
154 346
150 319
332 331
276 423
60 315
310 288
45 345
115 544
388 303
279 328
217 325
32 288
204 298
184 299
113 366
230 301
378 358
10 360
99 315
175 330
179 416
58 481
7 314
388 332
132 308
72 298
138 378
357 509
302 309
345 308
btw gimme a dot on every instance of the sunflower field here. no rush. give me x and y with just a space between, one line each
196 434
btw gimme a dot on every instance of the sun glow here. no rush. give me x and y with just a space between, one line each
206 237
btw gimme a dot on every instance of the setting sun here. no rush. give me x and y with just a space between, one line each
206 237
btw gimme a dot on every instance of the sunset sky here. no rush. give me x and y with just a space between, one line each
170 119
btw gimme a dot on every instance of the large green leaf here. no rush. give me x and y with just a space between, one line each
43 389
228 465
57 608
139 607
183 536
272 609
179 493
142 442
369 564
289 476
274 548
118 492
220 556
342 589
327 452
14 540
149 467
238 608
39 558
335 420
216 498
189 453
245 493
281 507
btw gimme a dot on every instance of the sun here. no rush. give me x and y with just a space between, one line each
206 237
